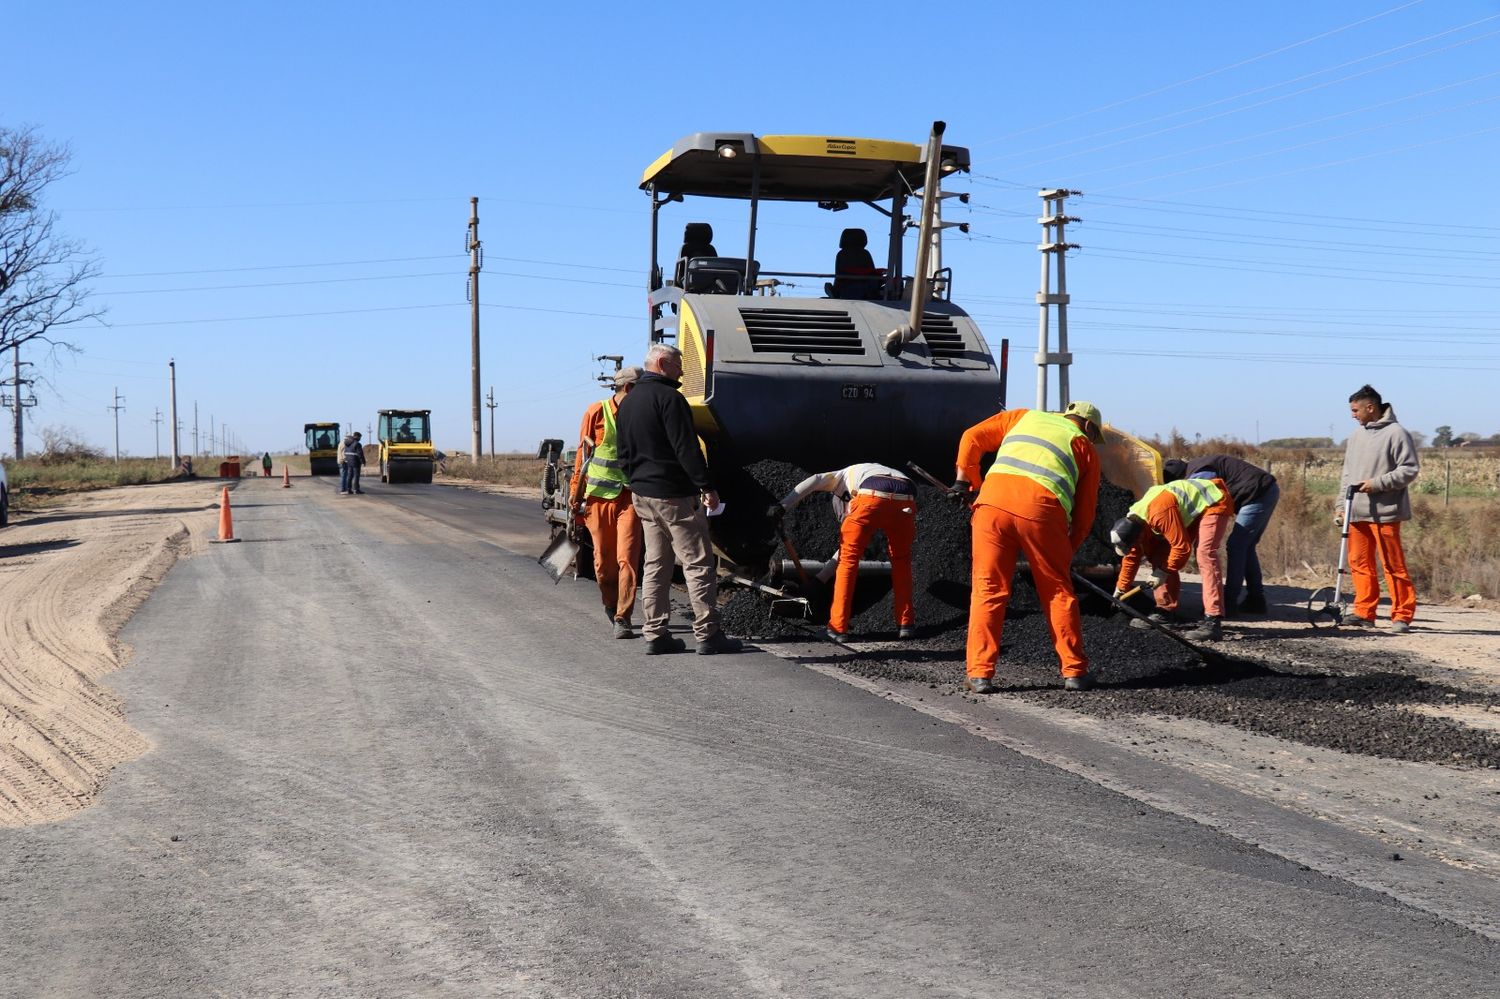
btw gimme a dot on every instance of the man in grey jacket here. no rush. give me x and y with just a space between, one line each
1380 460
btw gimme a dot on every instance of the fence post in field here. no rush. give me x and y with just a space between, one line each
1447 478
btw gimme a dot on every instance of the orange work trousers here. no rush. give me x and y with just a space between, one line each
1156 550
998 536
617 535
1366 539
866 515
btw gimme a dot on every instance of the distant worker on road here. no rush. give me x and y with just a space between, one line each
351 460
1380 459
1038 499
1162 525
867 498
265 463
607 509
671 493
1254 493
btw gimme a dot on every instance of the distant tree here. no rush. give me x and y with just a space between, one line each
1443 436
1419 438
43 274
1299 442
1468 437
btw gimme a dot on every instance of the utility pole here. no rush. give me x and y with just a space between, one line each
195 427
20 402
491 403
157 420
172 379
476 261
1054 244
117 407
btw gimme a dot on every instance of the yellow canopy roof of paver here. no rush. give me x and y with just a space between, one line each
792 167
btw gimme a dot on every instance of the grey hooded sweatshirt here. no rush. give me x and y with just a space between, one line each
1382 452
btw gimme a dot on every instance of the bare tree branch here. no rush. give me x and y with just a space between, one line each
44 276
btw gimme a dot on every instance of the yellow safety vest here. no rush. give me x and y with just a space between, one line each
1193 496
605 477
1040 448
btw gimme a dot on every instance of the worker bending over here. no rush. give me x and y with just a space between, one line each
606 506
1038 499
1163 525
867 498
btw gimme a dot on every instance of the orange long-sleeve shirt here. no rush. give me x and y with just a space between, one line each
1025 497
1165 520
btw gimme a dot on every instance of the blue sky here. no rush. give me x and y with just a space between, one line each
1282 201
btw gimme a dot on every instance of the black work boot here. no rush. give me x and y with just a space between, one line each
664 645
1207 631
719 644
1084 682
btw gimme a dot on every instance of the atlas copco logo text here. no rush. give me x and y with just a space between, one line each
842 147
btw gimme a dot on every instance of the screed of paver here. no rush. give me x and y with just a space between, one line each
70 577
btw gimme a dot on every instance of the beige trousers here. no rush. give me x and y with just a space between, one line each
677 529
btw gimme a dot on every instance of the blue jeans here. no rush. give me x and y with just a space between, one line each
349 477
1243 564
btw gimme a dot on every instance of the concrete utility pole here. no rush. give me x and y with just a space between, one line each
1053 243
117 407
157 420
195 426
476 261
20 401
491 403
172 379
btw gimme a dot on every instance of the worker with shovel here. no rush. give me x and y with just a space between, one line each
1038 499
1163 525
867 498
607 511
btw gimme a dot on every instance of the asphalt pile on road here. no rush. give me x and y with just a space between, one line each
1360 704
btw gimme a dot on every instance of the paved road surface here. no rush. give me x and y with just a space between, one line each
392 761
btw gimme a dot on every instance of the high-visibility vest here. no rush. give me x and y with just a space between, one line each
1193 496
1040 448
605 477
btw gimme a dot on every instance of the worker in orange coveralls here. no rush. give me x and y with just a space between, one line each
867 498
1164 524
607 510
1038 498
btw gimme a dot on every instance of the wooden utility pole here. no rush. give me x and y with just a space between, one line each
476 260
172 383
491 403
1054 244
119 399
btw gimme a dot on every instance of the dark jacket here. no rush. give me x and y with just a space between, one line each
658 444
352 451
1246 482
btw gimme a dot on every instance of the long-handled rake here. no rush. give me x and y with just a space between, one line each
1325 606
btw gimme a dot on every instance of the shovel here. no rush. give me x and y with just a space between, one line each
1208 656
561 557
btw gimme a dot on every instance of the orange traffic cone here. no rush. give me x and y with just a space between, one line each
226 521
286 476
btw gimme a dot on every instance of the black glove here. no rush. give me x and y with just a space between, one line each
775 512
961 491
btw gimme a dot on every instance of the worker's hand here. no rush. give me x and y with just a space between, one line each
1158 578
710 499
775 512
962 492
1338 518
1367 486
1116 595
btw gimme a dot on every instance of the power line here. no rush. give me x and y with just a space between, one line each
1203 76
1273 86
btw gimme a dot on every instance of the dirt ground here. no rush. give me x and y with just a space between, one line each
71 574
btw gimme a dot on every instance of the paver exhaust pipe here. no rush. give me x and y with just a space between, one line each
897 339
